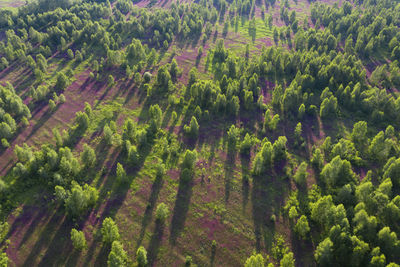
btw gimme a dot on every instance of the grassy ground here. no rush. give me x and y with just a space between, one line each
11 4
219 205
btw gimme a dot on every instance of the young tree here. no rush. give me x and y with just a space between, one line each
141 256
192 130
246 145
174 70
324 252
287 260
118 256
80 199
121 174
78 240
108 134
109 231
301 174
61 82
302 227
162 212
255 260
88 156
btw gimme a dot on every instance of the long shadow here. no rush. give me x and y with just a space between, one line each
42 121
32 226
267 198
229 167
102 256
54 225
245 162
155 242
181 208
52 256
155 191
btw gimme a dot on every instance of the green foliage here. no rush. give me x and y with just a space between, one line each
79 199
192 130
118 256
324 252
78 240
287 260
4 261
109 231
121 174
337 173
246 145
162 212
61 82
255 260
88 156
301 174
302 227
141 256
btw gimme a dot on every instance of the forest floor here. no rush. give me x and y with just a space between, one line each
217 205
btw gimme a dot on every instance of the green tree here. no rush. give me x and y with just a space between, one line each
192 130
88 156
301 174
78 240
255 260
61 82
162 212
118 256
287 260
109 231
302 227
141 256
121 174
324 253
80 199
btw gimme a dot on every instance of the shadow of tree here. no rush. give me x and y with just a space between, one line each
155 242
155 190
180 209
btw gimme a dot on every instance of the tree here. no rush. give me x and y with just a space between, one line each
174 70
287 260
79 199
121 174
365 225
338 172
302 227
108 134
141 256
246 145
328 108
118 256
52 105
301 174
4 260
324 253
78 240
255 260
61 82
192 130
156 117
233 137
162 212
317 159
359 135
88 156
109 231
